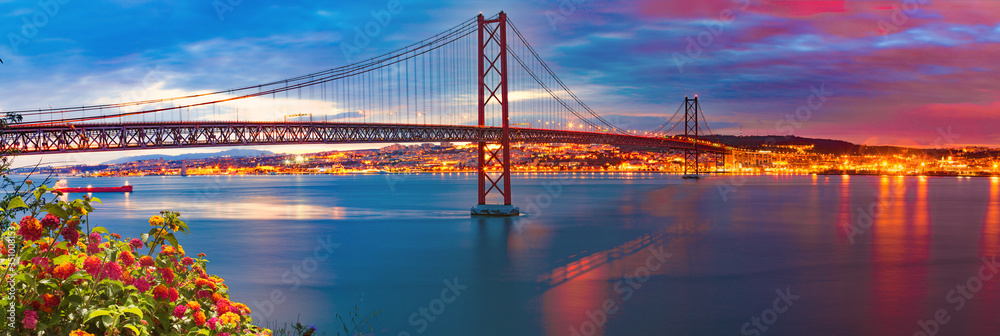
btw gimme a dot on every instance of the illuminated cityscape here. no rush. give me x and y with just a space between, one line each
446 157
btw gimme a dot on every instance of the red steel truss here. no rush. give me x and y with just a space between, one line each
129 136
493 78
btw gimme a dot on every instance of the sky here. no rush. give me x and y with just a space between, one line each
919 73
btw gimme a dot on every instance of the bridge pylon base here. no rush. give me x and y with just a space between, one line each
496 210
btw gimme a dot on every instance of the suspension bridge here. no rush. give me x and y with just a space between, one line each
480 81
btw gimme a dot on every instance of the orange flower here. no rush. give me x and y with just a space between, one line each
155 221
160 292
64 271
30 228
167 250
126 258
243 308
195 306
205 283
217 297
199 318
126 277
50 301
79 332
43 244
146 261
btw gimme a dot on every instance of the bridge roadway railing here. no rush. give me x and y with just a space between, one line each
63 138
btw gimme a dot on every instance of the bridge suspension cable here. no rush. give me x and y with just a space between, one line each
678 122
562 84
403 55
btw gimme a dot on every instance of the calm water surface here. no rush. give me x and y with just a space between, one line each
597 254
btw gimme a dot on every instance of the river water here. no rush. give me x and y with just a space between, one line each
597 254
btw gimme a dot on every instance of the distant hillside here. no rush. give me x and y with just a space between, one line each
192 156
822 146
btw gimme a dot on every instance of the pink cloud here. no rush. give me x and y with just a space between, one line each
838 17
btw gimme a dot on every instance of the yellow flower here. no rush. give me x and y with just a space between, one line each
230 319
79 332
155 221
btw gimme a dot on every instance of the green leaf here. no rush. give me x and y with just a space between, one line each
38 193
16 202
133 310
117 283
97 313
75 299
56 210
61 259
79 275
95 199
170 237
183 226
133 328
99 229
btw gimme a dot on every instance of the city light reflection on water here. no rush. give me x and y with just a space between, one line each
398 243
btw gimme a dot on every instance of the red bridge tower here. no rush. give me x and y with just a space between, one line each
493 92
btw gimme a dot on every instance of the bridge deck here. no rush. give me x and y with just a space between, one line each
132 136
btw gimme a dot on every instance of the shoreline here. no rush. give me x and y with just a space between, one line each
926 174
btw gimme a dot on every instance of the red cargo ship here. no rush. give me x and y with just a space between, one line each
61 186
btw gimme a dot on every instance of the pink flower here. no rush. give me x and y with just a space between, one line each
141 284
93 248
173 294
92 265
112 271
30 319
41 262
136 243
179 311
213 323
50 222
70 234
187 261
94 238
167 274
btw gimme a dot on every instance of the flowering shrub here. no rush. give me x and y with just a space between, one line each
71 279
